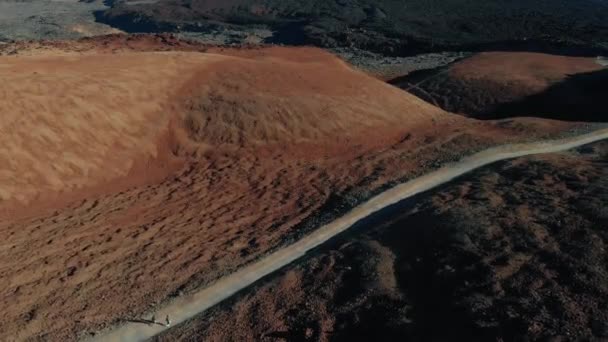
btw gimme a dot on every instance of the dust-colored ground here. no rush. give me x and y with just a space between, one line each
512 252
492 85
131 176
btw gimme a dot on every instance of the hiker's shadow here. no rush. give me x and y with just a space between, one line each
143 321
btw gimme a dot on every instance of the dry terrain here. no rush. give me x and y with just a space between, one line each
139 168
494 85
50 19
515 251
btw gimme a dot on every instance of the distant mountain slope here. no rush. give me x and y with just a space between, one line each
388 26
495 85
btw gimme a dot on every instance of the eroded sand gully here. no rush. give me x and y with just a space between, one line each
149 175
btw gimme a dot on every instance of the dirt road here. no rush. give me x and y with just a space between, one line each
186 307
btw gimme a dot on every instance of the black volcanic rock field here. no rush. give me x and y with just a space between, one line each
512 252
392 27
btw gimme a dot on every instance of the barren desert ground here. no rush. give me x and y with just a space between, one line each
514 251
138 169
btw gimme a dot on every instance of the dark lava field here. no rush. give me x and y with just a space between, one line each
391 27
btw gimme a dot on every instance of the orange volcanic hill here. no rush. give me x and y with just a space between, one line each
78 120
136 169
494 85
293 96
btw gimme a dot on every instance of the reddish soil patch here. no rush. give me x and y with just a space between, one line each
155 173
512 252
506 84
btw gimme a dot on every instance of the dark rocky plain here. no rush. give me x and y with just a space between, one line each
389 27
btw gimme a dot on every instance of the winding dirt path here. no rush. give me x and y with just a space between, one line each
186 307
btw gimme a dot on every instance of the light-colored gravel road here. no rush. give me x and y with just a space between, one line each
188 306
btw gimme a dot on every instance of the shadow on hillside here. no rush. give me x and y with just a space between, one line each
580 97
